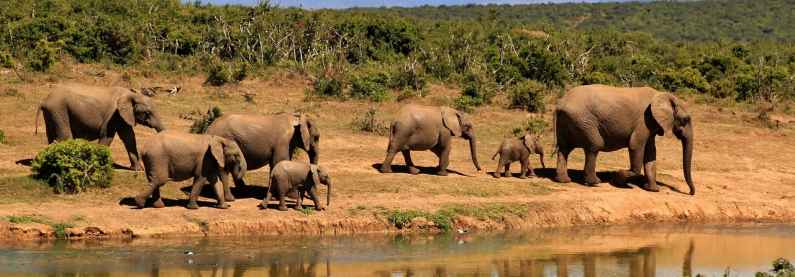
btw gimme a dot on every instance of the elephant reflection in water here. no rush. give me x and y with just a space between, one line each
638 263
295 264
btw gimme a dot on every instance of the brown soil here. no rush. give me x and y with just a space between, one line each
743 171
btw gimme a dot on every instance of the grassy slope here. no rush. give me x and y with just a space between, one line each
736 175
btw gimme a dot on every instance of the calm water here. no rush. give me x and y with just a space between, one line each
618 251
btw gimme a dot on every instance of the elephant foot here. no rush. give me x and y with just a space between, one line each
192 205
496 175
506 174
522 177
386 169
299 207
140 202
223 207
159 204
592 181
413 170
282 208
319 208
229 198
652 187
442 173
563 179
263 205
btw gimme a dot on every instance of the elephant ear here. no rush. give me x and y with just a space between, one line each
124 105
217 150
451 121
527 140
662 109
302 122
315 176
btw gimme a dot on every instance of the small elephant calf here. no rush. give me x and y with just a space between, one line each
174 156
518 149
290 176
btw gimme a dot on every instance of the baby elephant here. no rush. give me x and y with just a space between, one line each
174 156
289 176
518 149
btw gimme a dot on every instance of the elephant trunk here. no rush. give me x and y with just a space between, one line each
314 154
242 167
328 194
473 151
157 124
541 156
687 157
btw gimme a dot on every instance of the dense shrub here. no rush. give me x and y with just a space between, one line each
327 87
218 74
685 78
370 123
6 61
74 166
528 95
781 268
533 125
478 90
43 56
369 87
201 123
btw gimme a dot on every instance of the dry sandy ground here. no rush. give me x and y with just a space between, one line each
743 172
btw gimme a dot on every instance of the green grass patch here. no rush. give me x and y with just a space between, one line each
58 227
306 211
444 218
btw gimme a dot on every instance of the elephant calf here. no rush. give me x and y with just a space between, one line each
518 149
290 176
173 156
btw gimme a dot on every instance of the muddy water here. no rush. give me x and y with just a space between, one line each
616 251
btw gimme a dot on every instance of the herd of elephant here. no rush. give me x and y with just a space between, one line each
596 118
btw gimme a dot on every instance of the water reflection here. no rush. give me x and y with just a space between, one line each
595 252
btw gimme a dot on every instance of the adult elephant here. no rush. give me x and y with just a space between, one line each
604 118
98 113
428 128
268 139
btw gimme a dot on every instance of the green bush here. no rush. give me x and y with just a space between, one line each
327 87
369 87
218 74
478 90
369 123
42 57
408 77
533 125
781 268
74 166
684 78
2 137
528 95
6 61
201 123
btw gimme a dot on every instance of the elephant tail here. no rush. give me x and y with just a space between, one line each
555 134
392 131
36 124
495 155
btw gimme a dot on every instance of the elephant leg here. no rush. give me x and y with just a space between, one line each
507 172
226 180
497 172
218 187
527 170
313 194
299 203
649 166
127 137
140 199
562 175
158 200
444 158
409 163
267 198
282 203
198 182
590 168
394 145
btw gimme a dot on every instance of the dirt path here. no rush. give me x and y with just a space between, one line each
742 173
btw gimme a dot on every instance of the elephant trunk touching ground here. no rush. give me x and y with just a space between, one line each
328 194
473 151
687 156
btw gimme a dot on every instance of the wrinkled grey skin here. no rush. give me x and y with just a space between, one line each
268 139
420 128
518 149
604 118
174 156
91 113
290 176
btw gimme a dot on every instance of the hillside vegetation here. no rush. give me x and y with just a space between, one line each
738 50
